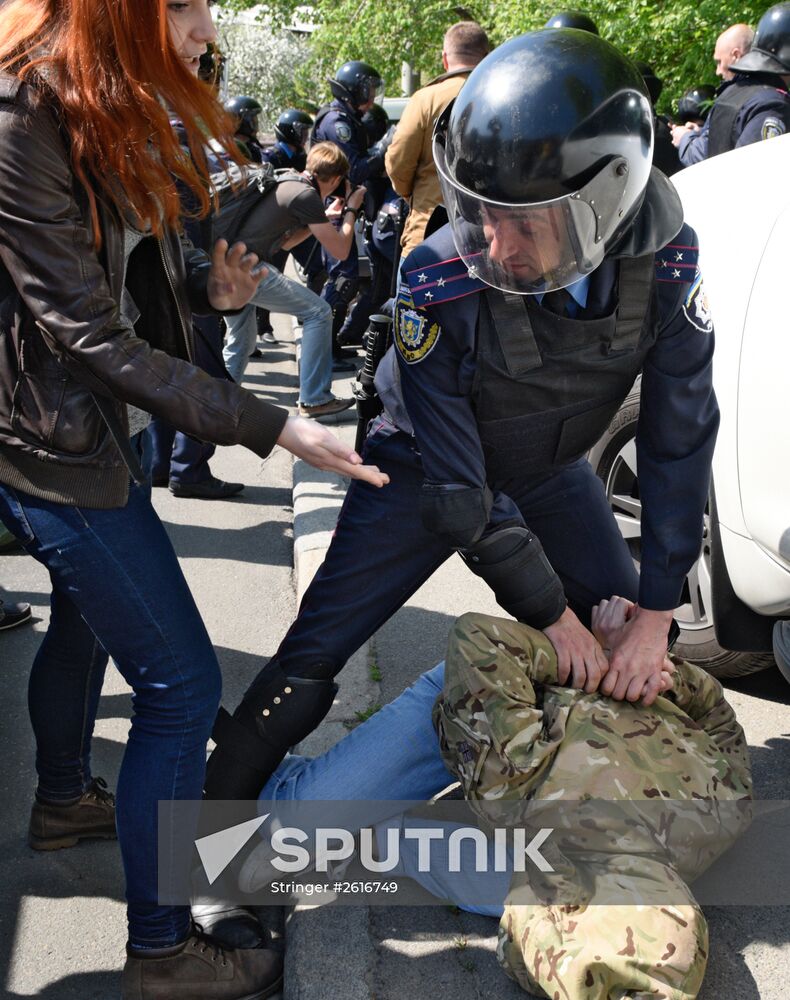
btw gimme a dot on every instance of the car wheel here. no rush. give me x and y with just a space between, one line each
614 461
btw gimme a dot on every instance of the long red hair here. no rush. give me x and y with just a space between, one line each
118 80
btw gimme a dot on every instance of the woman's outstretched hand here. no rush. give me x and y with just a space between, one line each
319 446
233 278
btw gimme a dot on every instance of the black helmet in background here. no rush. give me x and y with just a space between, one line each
246 110
572 19
695 104
293 127
547 148
357 83
770 51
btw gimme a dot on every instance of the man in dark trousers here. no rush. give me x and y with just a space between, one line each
566 271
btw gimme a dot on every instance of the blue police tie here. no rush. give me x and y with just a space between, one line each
561 303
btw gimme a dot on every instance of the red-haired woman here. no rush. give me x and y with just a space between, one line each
95 334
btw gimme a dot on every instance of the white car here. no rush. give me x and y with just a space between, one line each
739 205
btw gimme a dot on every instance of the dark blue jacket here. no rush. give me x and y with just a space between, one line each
436 339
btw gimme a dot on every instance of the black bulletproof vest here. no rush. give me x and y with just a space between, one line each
547 386
721 131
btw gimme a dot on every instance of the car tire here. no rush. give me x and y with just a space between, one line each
614 461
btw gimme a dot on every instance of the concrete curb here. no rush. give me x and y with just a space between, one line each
328 950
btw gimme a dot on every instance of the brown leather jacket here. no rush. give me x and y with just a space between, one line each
64 348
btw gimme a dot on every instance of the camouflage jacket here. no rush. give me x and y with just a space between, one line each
639 801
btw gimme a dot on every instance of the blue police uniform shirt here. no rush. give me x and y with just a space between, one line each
764 116
435 340
341 126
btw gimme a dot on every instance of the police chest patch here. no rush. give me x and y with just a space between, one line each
772 127
343 131
415 335
696 308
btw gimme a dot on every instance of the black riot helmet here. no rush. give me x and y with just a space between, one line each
246 110
770 51
546 152
695 104
376 122
293 127
572 19
356 82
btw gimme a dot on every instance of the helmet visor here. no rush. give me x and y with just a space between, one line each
537 247
375 89
301 131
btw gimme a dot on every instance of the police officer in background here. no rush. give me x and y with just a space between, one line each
247 112
754 104
665 156
565 271
354 87
292 130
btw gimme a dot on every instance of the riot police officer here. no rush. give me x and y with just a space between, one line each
247 112
292 130
755 103
354 87
565 271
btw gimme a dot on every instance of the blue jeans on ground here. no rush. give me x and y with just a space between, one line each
280 294
392 756
117 590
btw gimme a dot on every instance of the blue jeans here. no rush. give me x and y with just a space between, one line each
117 590
280 294
394 755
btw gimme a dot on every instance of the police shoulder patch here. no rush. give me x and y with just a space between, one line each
343 131
772 127
415 334
696 308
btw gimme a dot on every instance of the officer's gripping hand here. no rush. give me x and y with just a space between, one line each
608 621
638 664
678 131
579 655
233 277
318 446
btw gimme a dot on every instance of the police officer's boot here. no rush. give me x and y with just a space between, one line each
339 354
276 713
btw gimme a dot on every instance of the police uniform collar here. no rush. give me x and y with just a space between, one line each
658 220
340 105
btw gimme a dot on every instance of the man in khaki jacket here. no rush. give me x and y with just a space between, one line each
409 160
